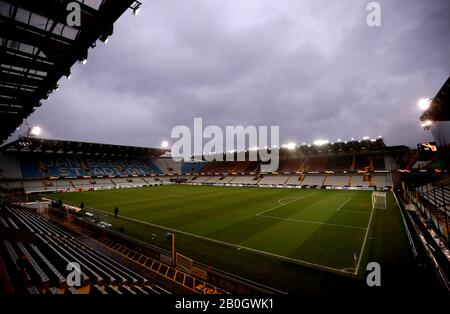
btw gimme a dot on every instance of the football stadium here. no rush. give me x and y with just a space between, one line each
352 217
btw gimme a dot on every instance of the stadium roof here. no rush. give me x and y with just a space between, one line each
49 146
439 109
38 48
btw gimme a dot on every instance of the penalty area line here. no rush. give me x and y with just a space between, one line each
283 204
343 204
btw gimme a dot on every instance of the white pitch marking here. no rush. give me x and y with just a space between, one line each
312 222
289 259
343 204
364 243
278 206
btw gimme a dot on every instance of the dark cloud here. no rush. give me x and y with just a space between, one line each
312 67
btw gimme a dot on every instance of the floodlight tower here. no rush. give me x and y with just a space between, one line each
436 115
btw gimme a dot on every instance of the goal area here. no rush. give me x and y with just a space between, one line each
379 200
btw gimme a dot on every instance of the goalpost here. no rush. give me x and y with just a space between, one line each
379 200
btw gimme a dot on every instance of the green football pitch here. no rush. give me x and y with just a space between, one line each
323 229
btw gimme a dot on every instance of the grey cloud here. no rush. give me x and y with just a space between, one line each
313 67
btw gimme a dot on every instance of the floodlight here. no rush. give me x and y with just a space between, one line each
290 145
320 142
424 103
36 131
164 144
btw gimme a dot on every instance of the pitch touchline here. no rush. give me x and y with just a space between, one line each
364 243
312 222
278 206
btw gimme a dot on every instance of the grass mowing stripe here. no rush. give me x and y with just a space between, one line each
311 222
278 206
285 258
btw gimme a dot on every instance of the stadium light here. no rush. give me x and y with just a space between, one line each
424 103
320 142
36 131
426 124
290 145
164 144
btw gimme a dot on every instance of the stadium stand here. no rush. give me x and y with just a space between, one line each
193 167
295 180
75 166
359 181
33 168
313 180
245 180
361 163
167 166
39 252
292 165
381 180
339 163
315 164
378 164
438 197
273 180
337 180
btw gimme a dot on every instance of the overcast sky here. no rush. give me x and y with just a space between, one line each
315 68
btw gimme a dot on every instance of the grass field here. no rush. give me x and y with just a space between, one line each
294 240
326 229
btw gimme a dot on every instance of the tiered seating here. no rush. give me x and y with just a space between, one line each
102 183
294 180
339 163
247 180
35 186
379 164
11 184
193 167
337 180
380 180
361 163
292 165
168 166
163 179
227 179
273 179
313 180
214 179
231 167
438 197
200 179
123 182
358 181
50 252
42 167
315 164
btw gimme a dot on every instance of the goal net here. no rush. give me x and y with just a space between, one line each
379 200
